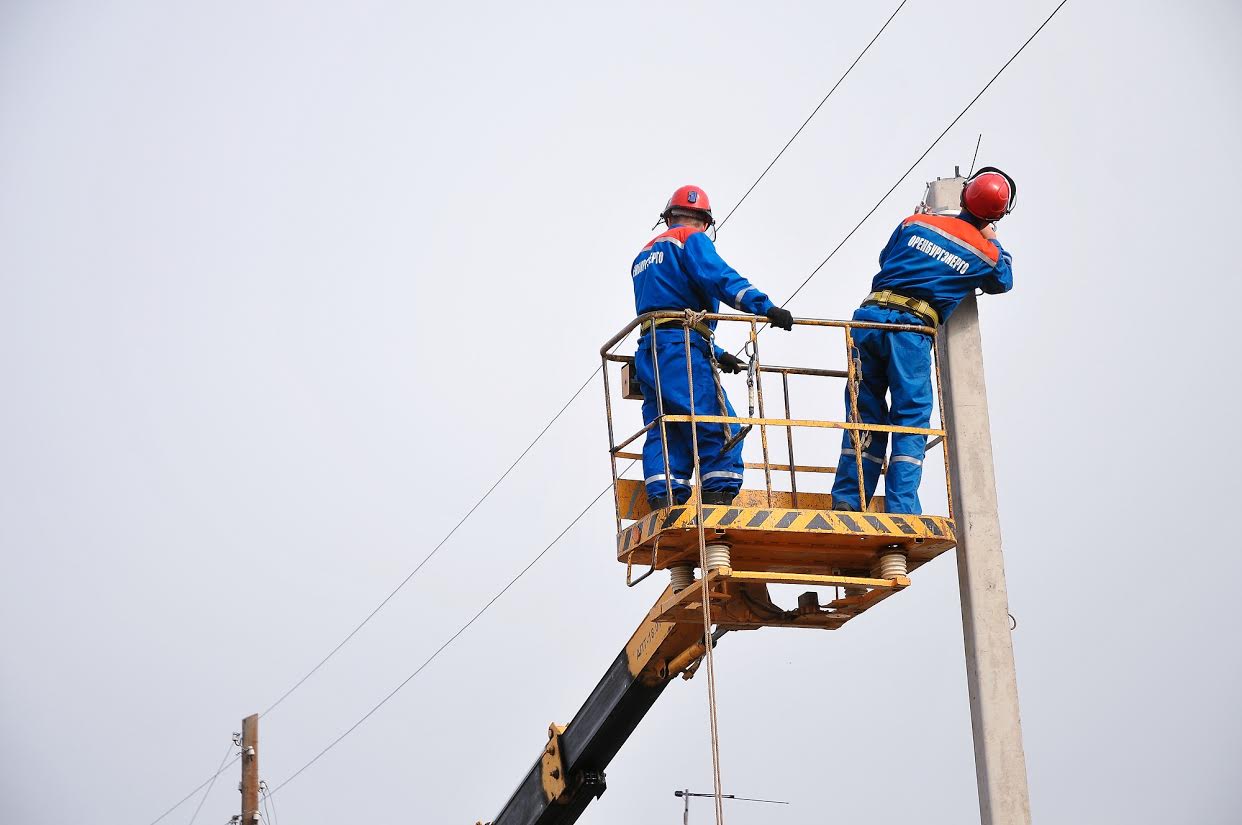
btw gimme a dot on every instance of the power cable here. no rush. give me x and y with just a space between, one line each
267 795
600 495
571 400
436 549
405 581
552 421
212 784
814 112
201 785
447 642
926 152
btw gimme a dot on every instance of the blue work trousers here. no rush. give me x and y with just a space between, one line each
897 364
722 471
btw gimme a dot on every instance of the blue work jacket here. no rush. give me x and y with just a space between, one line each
941 260
680 269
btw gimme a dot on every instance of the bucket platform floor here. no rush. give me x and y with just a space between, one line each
781 538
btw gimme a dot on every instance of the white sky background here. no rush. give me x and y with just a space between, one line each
284 287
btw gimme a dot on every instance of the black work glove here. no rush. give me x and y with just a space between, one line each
780 318
730 363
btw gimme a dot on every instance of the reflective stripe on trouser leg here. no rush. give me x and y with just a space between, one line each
901 485
659 479
845 486
878 459
720 477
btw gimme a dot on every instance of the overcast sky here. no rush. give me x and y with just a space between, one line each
284 287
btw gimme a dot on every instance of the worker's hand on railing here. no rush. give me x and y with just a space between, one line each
730 363
780 318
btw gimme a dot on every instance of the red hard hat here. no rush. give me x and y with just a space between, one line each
990 194
689 199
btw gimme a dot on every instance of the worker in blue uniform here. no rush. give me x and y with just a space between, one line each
929 265
679 270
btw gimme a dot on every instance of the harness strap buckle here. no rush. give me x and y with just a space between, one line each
700 328
915 305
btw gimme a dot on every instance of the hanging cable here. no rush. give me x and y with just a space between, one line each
571 400
212 783
435 549
601 494
209 780
814 112
266 794
567 404
926 152
420 668
709 659
275 820
448 641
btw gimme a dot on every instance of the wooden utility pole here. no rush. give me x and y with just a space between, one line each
250 770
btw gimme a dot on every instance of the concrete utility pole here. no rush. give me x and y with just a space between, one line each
1000 764
250 770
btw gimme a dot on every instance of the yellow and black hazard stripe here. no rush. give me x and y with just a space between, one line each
769 519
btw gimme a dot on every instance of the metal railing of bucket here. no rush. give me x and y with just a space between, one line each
695 324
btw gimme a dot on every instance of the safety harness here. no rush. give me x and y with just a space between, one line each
695 321
917 306
699 327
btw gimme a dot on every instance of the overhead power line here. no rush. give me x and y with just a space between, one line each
557 416
212 784
814 112
440 544
604 491
567 404
209 780
926 151
267 795
447 641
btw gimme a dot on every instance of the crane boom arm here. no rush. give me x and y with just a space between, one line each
570 771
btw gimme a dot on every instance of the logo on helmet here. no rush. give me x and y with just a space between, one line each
692 196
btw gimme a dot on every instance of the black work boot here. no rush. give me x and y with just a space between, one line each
658 503
844 507
710 497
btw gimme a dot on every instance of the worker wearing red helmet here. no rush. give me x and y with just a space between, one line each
679 269
929 265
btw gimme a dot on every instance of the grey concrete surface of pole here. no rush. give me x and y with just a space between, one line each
1000 763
